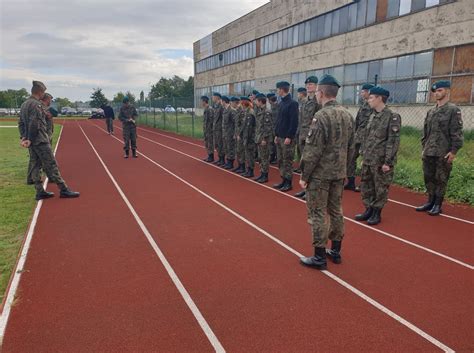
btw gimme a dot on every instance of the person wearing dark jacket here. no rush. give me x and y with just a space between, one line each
109 118
285 135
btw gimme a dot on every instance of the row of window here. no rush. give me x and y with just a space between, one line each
231 56
356 15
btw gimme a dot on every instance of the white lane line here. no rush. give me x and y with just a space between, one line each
339 280
273 167
19 268
8 126
421 247
172 274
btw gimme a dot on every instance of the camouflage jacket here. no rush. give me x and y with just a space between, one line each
217 111
382 138
329 144
239 121
32 122
442 132
127 112
228 126
248 126
308 108
264 126
274 109
361 121
301 102
207 122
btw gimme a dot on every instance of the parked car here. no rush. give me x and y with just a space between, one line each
189 110
98 114
3 111
181 110
86 112
169 109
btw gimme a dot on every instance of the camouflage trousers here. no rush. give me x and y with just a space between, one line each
209 138
324 202
436 171
42 157
109 122
301 143
229 146
264 154
352 165
240 150
374 185
250 149
129 136
286 154
218 140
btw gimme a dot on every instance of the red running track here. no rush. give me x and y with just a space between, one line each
98 284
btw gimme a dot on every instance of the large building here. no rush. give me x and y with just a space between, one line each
400 44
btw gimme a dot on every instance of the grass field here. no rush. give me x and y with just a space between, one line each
16 198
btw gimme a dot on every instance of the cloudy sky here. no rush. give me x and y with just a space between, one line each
76 45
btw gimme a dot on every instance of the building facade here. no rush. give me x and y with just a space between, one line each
402 45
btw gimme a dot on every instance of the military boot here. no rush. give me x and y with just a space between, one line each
436 210
300 194
68 194
428 205
263 179
41 195
126 154
317 261
280 185
210 158
287 186
335 252
350 184
238 168
365 215
229 164
376 217
249 173
134 153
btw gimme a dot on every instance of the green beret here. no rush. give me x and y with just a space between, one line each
270 95
260 96
245 98
311 79
255 92
126 99
302 90
328 80
379 91
39 84
440 84
225 99
367 86
282 84
53 112
217 94
235 99
205 98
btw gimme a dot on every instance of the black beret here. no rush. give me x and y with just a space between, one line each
379 91
367 86
282 84
328 80
302 90
311 79
440 84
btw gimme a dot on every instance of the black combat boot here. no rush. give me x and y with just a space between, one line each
335 252
210 158
249 173
428 205
280 185
376 217
350 184
134 153
297 170
364 216
436 210
259 177
238 168
41 195
126 154
263 179
301 194
317 261
287 186
68 194
229 164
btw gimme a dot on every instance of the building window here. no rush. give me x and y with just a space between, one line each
405 7
389 68
350 73
371 12
361 13
405 66
352 16
423 63
343 19
327 25
417 5
338 73
422 91
335 22
348 95
430 3
393 8
374 70
307 31
463 59
361 72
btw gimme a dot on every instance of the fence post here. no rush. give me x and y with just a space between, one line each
176 113
154 118
192 120
164 120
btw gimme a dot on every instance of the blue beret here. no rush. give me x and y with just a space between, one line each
311 79
225 99
328 80
282 84
217 94
270 95
440 84
367 86
255 92
126 99
234 99
379 91
260 95
302 90
244 98
205 98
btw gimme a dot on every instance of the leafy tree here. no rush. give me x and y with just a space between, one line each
62 102
12 98
172 87
118 98
98 98
142 96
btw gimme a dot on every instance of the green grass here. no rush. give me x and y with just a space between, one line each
168 122
16 199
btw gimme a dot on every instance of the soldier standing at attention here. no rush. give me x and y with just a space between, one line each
208 129
217 110
379 155
361 121
263 136
285 133
302 98
109 117
51 113
239 124
248 135
328 146
274 109
442 139
127 116
34 136
307 111
228 129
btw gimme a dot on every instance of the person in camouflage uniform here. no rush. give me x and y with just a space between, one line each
128 115
51 113
361 121
442 139
248 136
228 129
217 110
379 155
328 146
34 135
307 110
302 99
263 136
208 129
239 124
272 98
